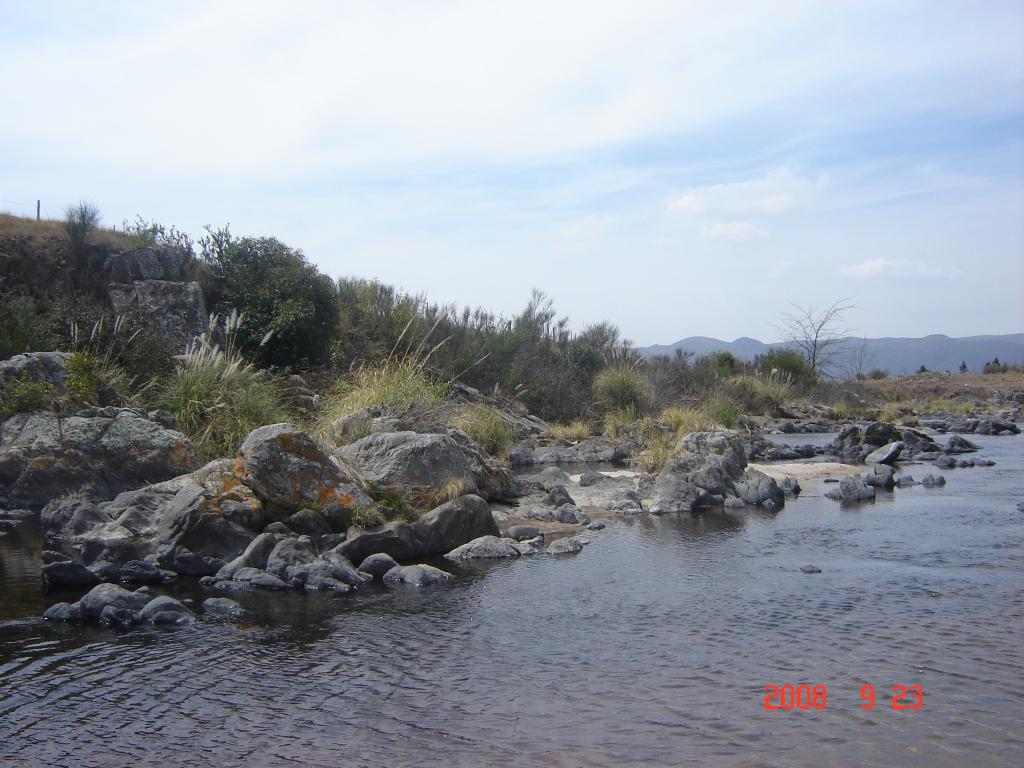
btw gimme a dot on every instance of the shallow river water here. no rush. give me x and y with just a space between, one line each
651 647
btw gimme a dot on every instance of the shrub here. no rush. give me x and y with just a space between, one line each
486 426
759 394
786 361
393 501
217 396
878 374
683 420
621 388
367 518
23 394
291 309
574 430
22 328
722 411
451 489
79 221
83 377
396 384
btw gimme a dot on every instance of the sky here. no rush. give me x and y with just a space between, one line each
678 168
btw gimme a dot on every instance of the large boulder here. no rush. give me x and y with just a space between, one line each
852 488
416 575
490 548
418 463
887 454
288 471
97 452
110 595
435 533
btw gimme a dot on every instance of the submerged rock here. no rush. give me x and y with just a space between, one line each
223 606
488 548
567 545
64 612
377 564
104 595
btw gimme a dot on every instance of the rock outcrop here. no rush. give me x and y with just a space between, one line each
711 469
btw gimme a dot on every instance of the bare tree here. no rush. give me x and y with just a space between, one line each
817 335
860 359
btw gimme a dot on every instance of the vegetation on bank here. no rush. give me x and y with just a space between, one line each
361 343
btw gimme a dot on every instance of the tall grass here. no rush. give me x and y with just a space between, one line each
93 365
761 393
217 396
487 428
656 453
618 420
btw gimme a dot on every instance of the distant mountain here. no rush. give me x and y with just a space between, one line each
898 356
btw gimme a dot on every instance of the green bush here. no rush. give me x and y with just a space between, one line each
487 428
621 389
23 394
291 310
786 361
79 221
83 377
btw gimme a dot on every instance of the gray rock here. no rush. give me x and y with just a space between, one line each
288 471
905 481
945 462
416 575
596 526
223 606
260 579
930 480
102 595
590 478
63 612
957 444
523 532
790 486
68 573
141 572
162 604
810 569
41 367
106 570
255 555
377 564
485 548
418 463
310 523
568 545
98 452
852 489
571 514
881 476
172 618
49 556
118 617
291 557
435 533
887 454
558 497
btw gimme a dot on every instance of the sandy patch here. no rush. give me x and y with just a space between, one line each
818 470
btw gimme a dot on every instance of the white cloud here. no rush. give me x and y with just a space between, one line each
874 269
775 193
733 231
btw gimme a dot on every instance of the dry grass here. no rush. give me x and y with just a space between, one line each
573 431
50 229
683 419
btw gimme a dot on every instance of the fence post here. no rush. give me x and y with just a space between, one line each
37 210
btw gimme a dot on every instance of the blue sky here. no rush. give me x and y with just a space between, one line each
679 168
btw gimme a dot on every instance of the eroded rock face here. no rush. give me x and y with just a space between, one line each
437 532
98 452
418 463
711 471
43 367
176 307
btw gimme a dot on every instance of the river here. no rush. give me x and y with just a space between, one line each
652 647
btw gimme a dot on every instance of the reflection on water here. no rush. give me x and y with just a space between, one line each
651 647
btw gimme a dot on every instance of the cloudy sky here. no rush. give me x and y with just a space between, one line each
680 168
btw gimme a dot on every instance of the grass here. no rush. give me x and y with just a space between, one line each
941 405
762 393
683 419
888 413
487 428
618 420
217 396
656 453
451 489
722 411
573 431
367 518
396 384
